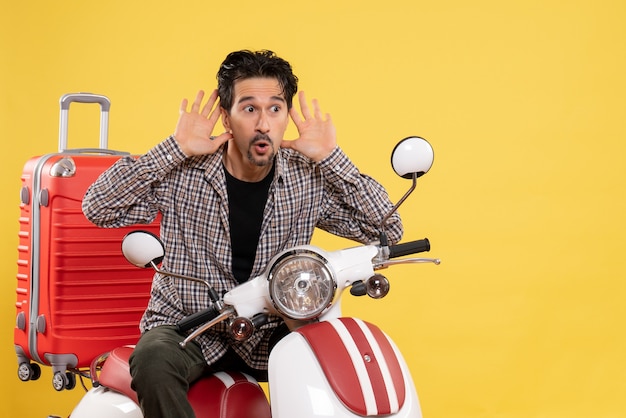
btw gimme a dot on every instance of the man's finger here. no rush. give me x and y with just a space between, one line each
304 107
195 107
220 139
183 106
215 115
316 109
295 116
206 110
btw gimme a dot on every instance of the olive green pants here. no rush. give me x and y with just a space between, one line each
162 372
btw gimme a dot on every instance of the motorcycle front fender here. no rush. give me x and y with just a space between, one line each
101 402
300 386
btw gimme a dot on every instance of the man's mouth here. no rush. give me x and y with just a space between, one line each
262 145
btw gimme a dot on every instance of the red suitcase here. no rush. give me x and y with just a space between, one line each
77 296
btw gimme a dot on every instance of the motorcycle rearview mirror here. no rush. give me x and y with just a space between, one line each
411 158
144 249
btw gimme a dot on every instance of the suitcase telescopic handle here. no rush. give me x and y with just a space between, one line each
105 105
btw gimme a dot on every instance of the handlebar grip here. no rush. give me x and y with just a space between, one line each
407 248
196 319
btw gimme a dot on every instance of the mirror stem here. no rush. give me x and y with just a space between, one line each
396 206
212 293
383 253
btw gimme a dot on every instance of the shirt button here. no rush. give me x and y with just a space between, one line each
169 158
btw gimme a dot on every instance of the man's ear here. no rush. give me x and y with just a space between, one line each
225 119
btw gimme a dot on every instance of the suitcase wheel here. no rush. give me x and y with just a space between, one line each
28 371
62 381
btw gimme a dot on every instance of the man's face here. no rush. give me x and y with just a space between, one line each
258 119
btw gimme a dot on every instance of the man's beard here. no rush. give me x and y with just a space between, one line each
266 159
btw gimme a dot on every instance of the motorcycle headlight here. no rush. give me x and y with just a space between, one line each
301 284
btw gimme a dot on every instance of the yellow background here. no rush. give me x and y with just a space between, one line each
523 102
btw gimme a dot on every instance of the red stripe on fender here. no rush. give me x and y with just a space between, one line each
395 370
335 361
371 365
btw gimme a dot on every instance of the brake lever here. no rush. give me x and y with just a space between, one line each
228 312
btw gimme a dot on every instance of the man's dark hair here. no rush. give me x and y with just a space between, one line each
241 65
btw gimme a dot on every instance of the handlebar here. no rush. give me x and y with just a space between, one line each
196 319
407 248
209 314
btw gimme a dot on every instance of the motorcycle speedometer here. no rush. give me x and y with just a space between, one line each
301 284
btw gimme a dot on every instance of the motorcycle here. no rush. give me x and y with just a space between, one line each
327 366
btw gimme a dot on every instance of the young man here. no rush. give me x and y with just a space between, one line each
229 203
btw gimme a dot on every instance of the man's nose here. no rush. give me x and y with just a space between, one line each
262 124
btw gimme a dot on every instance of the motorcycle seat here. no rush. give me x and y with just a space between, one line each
221 395
115 372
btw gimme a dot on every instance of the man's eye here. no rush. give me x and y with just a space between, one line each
248 109
275 108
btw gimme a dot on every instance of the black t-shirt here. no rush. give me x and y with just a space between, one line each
246 203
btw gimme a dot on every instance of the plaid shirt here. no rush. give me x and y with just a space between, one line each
191 195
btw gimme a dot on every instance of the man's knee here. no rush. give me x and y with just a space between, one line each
158 357
157 353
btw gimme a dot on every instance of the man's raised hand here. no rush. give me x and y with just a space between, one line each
317 132
194 130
